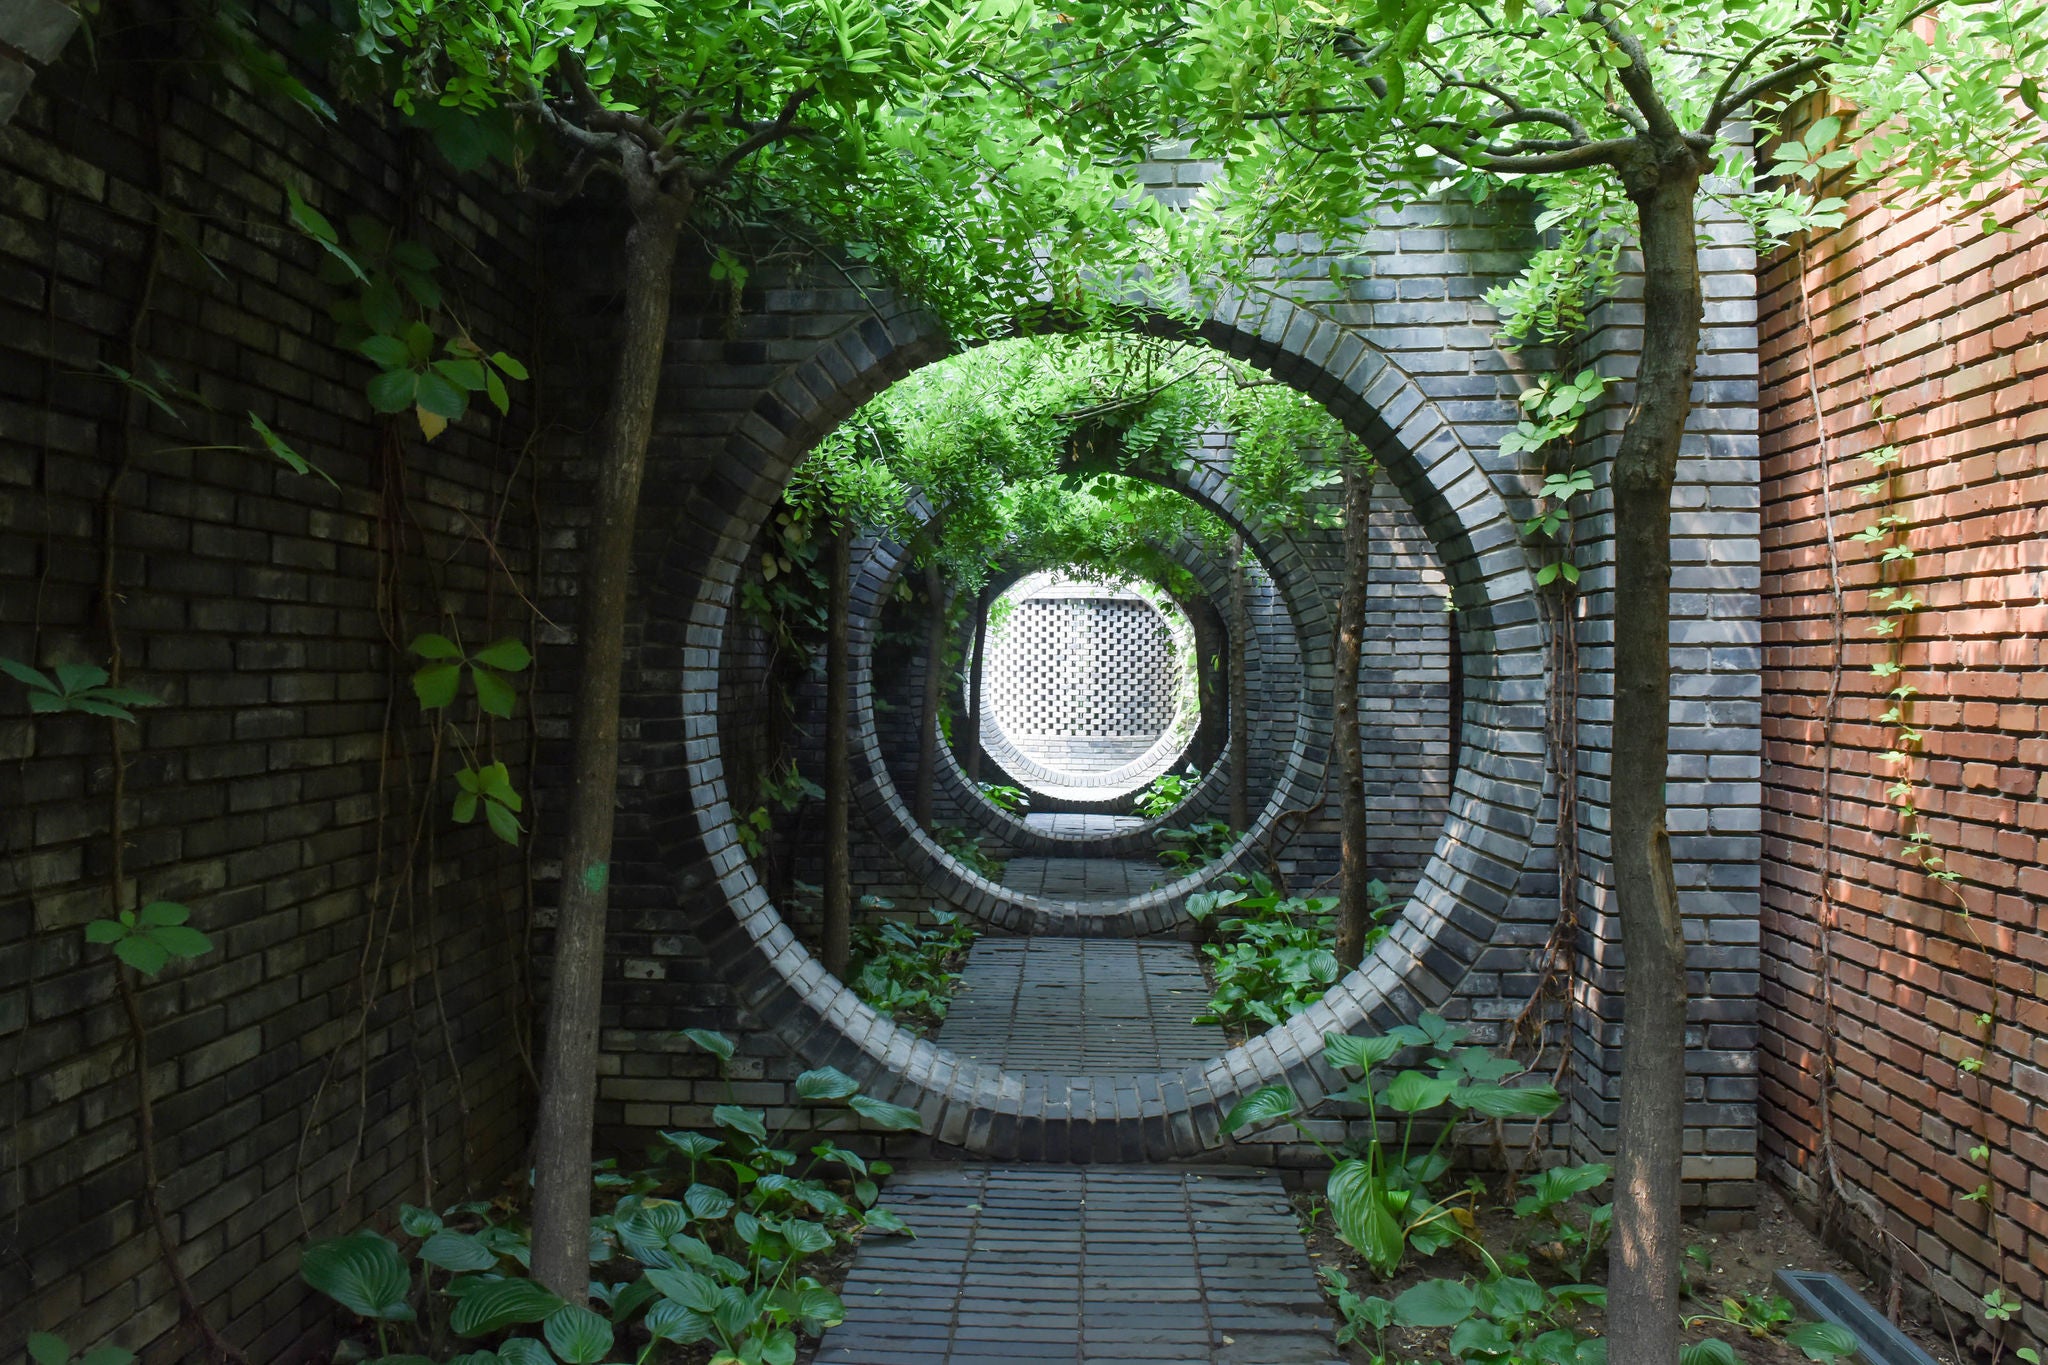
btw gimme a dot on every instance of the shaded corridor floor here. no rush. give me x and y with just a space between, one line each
1083 879
1078 823
1094 1265
1081 1006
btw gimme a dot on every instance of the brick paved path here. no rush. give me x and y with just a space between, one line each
1095 1265
1084 879
1092 1265
1081 1006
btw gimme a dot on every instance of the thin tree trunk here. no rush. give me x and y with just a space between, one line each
838 926
970 745
568 1083
1211 641
1354 906
1643 1312
1240 702
934 684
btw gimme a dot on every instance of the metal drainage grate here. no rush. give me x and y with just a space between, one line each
1829 1298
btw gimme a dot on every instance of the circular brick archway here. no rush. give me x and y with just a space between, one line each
1457 900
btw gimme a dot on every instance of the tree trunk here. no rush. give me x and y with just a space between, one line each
1240 703
568 1084
934 685
970 744
1212 641
1354 906
838 926
1643 1311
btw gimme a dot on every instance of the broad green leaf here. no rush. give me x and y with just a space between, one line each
577 1335
181 941
418 1222
438 396
826 1083
392 391
512 368
457 1251
707 1201
524 1351
363 1273
105 931
689 1288
436 647
805 1237
892 1117
1508 1101
1261 1107
1712 1351
107 1355
1411 1092
467 375
1822 1340
22 673
386 352
435 685
146 957
671 1321
47 1348
161 913
493 694
740 1120
508 655
694 1145
1435 1303
817 1308
504 824
1363 1220
1347 1052
712 1041
497 1304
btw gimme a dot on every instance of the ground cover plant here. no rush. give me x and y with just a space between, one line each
706 1246
1165 792
908 971
1270 956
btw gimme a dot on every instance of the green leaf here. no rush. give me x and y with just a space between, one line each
435 685
22 673
1346 1052
363 1273
180 941
310 220
418 1222
1435 1303
107 1355
524 1351
740 1120
457 1251
1261 1107
892 1117
142 954
671 1321
80 677
1822 1340
826 1083
1411 1092
47 1348
497 1304
504 824
1358 1204
692 1289
386 352
467 375
707 1201
160 913
712 1041
431 646
806 1238
512 368
105 931
577 1335
508 655
438 396
392 391
1508 1101
817 1308
1712 1351
493 693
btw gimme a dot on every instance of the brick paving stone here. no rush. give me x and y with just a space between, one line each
1095 1265
1081 1006
1083 879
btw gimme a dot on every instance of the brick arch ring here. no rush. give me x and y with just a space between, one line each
1030 841
985 1109
1300 781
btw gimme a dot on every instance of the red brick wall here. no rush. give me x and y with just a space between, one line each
1949 326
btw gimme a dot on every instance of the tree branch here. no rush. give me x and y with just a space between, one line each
1635 78
764 135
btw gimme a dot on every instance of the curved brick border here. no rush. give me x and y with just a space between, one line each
1005 907
1457 902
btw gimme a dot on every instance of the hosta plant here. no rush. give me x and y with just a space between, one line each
906 971
1382 1187
706 1245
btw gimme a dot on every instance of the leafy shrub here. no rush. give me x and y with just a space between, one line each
1273 958
1013 800
1166 792
906 971
705 1245
1559 1226
1382 1193
1196 846
967 849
